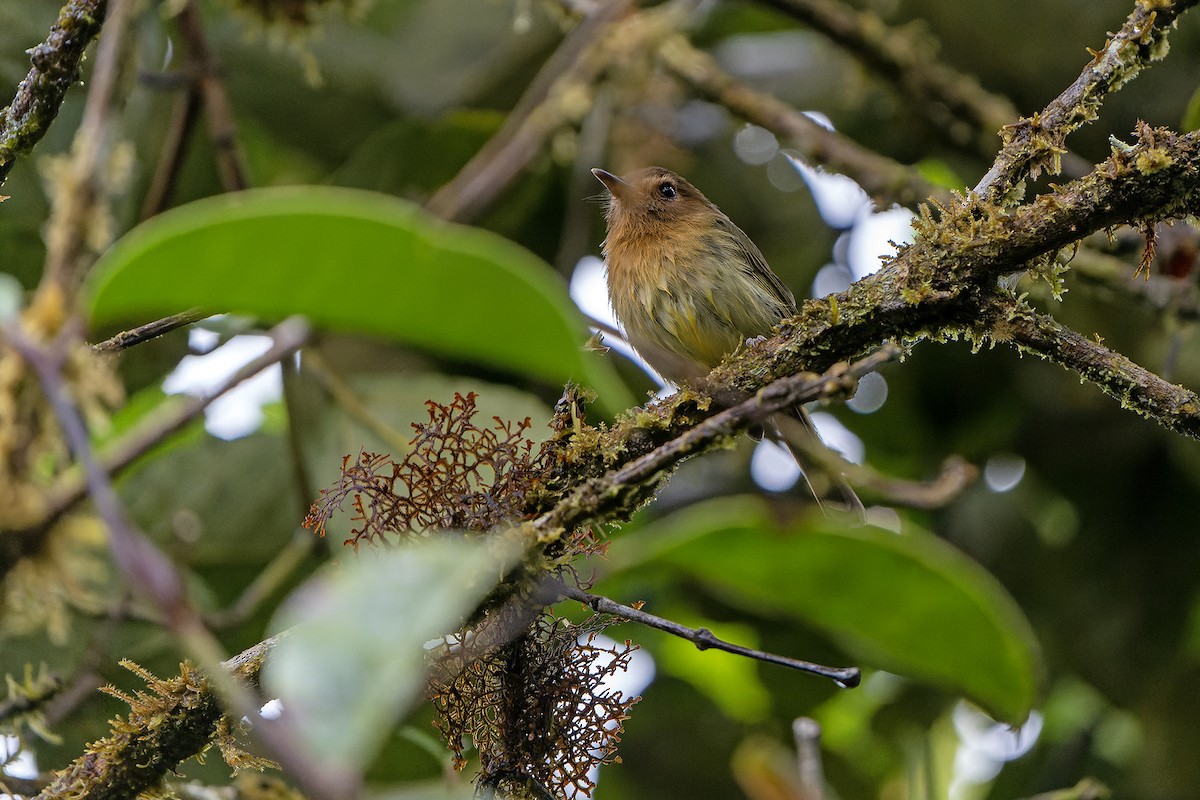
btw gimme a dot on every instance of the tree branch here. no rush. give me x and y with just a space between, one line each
953 101
288 337
1035 143
56 66
886 180
1136 387
934 288
543 109
703 638
151 330
626 486
137 756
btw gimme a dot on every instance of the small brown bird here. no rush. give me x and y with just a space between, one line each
690 287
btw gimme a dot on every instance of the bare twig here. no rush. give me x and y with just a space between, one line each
885 180
56 65
1035 143
174 147
151 330
807 735
270 580
348 400
954 102
703 638
955 475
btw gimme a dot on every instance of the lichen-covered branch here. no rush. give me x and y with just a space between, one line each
1137 388
886 180
616 493
1036 143
175 723
953 101
56 65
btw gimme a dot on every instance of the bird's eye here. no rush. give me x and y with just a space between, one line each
667 190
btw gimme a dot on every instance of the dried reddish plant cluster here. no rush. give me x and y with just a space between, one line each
526 688
537 708
456 475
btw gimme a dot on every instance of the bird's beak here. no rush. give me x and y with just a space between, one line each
616 187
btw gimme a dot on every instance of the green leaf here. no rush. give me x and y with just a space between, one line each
353 661
360 262
908 603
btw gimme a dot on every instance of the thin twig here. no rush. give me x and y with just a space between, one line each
278 571
151 330
1035 143
807 735
955 475
703 638
171 156
287 337
56 65
342 393
952 101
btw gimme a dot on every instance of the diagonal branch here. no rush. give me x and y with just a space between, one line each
934 288
703 638
56 66
1014 323
627 485
1035 143
288 337
953 101
544 108
885 179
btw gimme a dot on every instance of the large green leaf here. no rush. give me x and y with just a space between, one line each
907 603
355 261
354 659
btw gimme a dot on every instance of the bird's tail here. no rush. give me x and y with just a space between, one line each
794 429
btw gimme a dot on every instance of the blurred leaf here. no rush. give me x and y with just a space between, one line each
1191 115
353 660
907 603
358 262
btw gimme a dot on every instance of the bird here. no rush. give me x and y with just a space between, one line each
689 287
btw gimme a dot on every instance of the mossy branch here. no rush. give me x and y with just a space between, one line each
1035 143
176 722
1137 388
56 66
